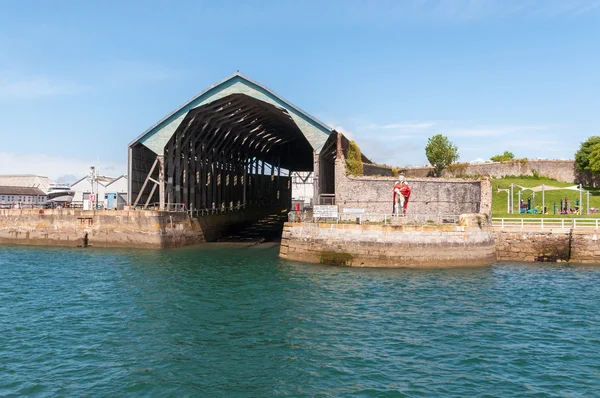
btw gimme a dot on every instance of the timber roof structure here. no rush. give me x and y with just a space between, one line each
243 114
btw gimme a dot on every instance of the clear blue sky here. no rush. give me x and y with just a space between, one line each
80 79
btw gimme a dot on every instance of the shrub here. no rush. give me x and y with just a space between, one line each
354 164
504 157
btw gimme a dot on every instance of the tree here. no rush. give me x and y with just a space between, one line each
504 157
594 159
440 153
583 155
354 164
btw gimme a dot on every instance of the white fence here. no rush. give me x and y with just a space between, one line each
372 218
545 223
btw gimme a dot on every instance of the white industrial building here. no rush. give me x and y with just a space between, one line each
108 192
83 188
115 196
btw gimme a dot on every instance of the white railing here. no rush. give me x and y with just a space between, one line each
372 218
545 223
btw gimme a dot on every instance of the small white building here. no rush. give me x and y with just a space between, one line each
21 197
83 188
115 196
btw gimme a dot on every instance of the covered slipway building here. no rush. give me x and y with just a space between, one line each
232 146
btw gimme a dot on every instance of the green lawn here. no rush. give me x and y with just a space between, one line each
499 199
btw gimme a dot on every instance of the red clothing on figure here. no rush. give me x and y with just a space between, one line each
404 191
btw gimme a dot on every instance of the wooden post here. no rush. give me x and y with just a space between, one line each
279 180
316 182
244 181
161 182
192 183
139 196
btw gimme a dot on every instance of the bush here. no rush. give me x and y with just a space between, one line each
504 157
457 168
354 164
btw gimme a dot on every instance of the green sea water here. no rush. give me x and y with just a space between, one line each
227 320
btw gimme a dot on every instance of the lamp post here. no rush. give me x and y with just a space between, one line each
93 178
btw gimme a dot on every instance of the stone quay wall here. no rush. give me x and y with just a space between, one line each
116 228
470 243
560 170
574 245
428 195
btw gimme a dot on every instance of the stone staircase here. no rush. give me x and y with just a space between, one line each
267 229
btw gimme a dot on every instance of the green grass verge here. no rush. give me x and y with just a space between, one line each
499 201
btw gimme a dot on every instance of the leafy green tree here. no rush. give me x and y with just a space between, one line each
582 156
594 159
440 153
354 164
504 157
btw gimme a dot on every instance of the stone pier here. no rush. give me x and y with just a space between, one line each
470 243
117 228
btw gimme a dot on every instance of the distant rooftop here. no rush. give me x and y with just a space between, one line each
25 180
8 190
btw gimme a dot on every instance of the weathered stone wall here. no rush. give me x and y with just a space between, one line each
116 228
469 244
428 195
585 246
560 170
574 245
533 245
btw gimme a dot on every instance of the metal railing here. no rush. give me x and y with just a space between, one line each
215 211
545 223
327 199
21 206
373 218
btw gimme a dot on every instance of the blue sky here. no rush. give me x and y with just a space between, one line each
80 80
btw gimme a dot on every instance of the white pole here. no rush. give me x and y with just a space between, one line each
543 199
519 201
512 199
588 203
580 198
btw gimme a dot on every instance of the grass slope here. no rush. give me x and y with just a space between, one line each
499 201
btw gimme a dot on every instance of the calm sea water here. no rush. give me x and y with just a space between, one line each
235 321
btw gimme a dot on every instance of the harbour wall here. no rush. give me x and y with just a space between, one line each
470 243
428 195
117 228
559 244
560 170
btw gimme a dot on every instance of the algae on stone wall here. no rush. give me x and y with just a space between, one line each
336 258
